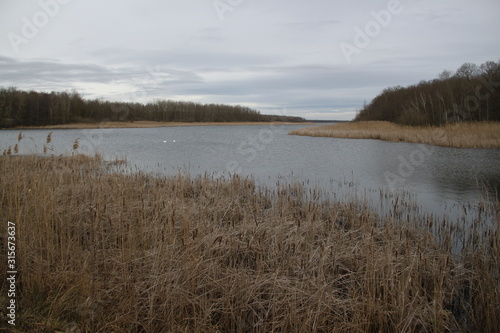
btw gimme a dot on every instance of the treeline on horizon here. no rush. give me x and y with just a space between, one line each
470 94
32 108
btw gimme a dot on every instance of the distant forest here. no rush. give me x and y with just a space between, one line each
472 93
31 108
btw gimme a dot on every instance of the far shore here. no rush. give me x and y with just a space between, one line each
459 135
151 124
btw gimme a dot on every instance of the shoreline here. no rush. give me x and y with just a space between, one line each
483 135
150 124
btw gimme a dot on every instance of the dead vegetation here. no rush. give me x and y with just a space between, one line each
459 135
103 251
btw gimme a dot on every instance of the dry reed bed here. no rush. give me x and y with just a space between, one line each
101 251
459 135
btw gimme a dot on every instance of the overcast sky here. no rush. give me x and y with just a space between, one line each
317 59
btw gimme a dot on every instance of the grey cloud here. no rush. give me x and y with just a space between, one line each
267 54
308 87
46 74
40 74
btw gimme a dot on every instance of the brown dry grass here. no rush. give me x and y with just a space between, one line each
105 251
151 124
459 135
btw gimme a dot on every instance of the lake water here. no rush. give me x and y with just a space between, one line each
442 181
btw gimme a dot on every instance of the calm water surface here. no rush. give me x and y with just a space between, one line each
441 180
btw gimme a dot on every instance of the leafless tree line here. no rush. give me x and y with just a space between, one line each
470 94
31 108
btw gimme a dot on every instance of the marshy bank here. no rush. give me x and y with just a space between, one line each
102 250
153 124
458 135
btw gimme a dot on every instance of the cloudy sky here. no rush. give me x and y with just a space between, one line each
318 59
